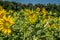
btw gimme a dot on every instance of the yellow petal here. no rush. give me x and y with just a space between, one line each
9 31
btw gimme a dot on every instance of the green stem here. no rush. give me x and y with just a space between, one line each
24 36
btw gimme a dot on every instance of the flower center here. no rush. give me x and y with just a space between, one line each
7 25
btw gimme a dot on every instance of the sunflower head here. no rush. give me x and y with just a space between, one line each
28 12
2 12
32 18
8 21
53 25
37 9
6 24
44 11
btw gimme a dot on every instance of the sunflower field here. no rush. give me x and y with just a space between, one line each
28 23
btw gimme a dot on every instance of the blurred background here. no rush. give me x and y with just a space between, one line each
36 1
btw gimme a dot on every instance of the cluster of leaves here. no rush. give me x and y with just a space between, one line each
30 24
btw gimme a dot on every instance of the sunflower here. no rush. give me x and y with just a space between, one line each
5 24
28 12
37 9
44 11
49 17
53 26
2 12
32 18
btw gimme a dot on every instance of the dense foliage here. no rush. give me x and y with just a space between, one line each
27 22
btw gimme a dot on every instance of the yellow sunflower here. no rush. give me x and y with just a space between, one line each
37 9
32 18
5 24
53 25
44 11
2 12
49 17
28 12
